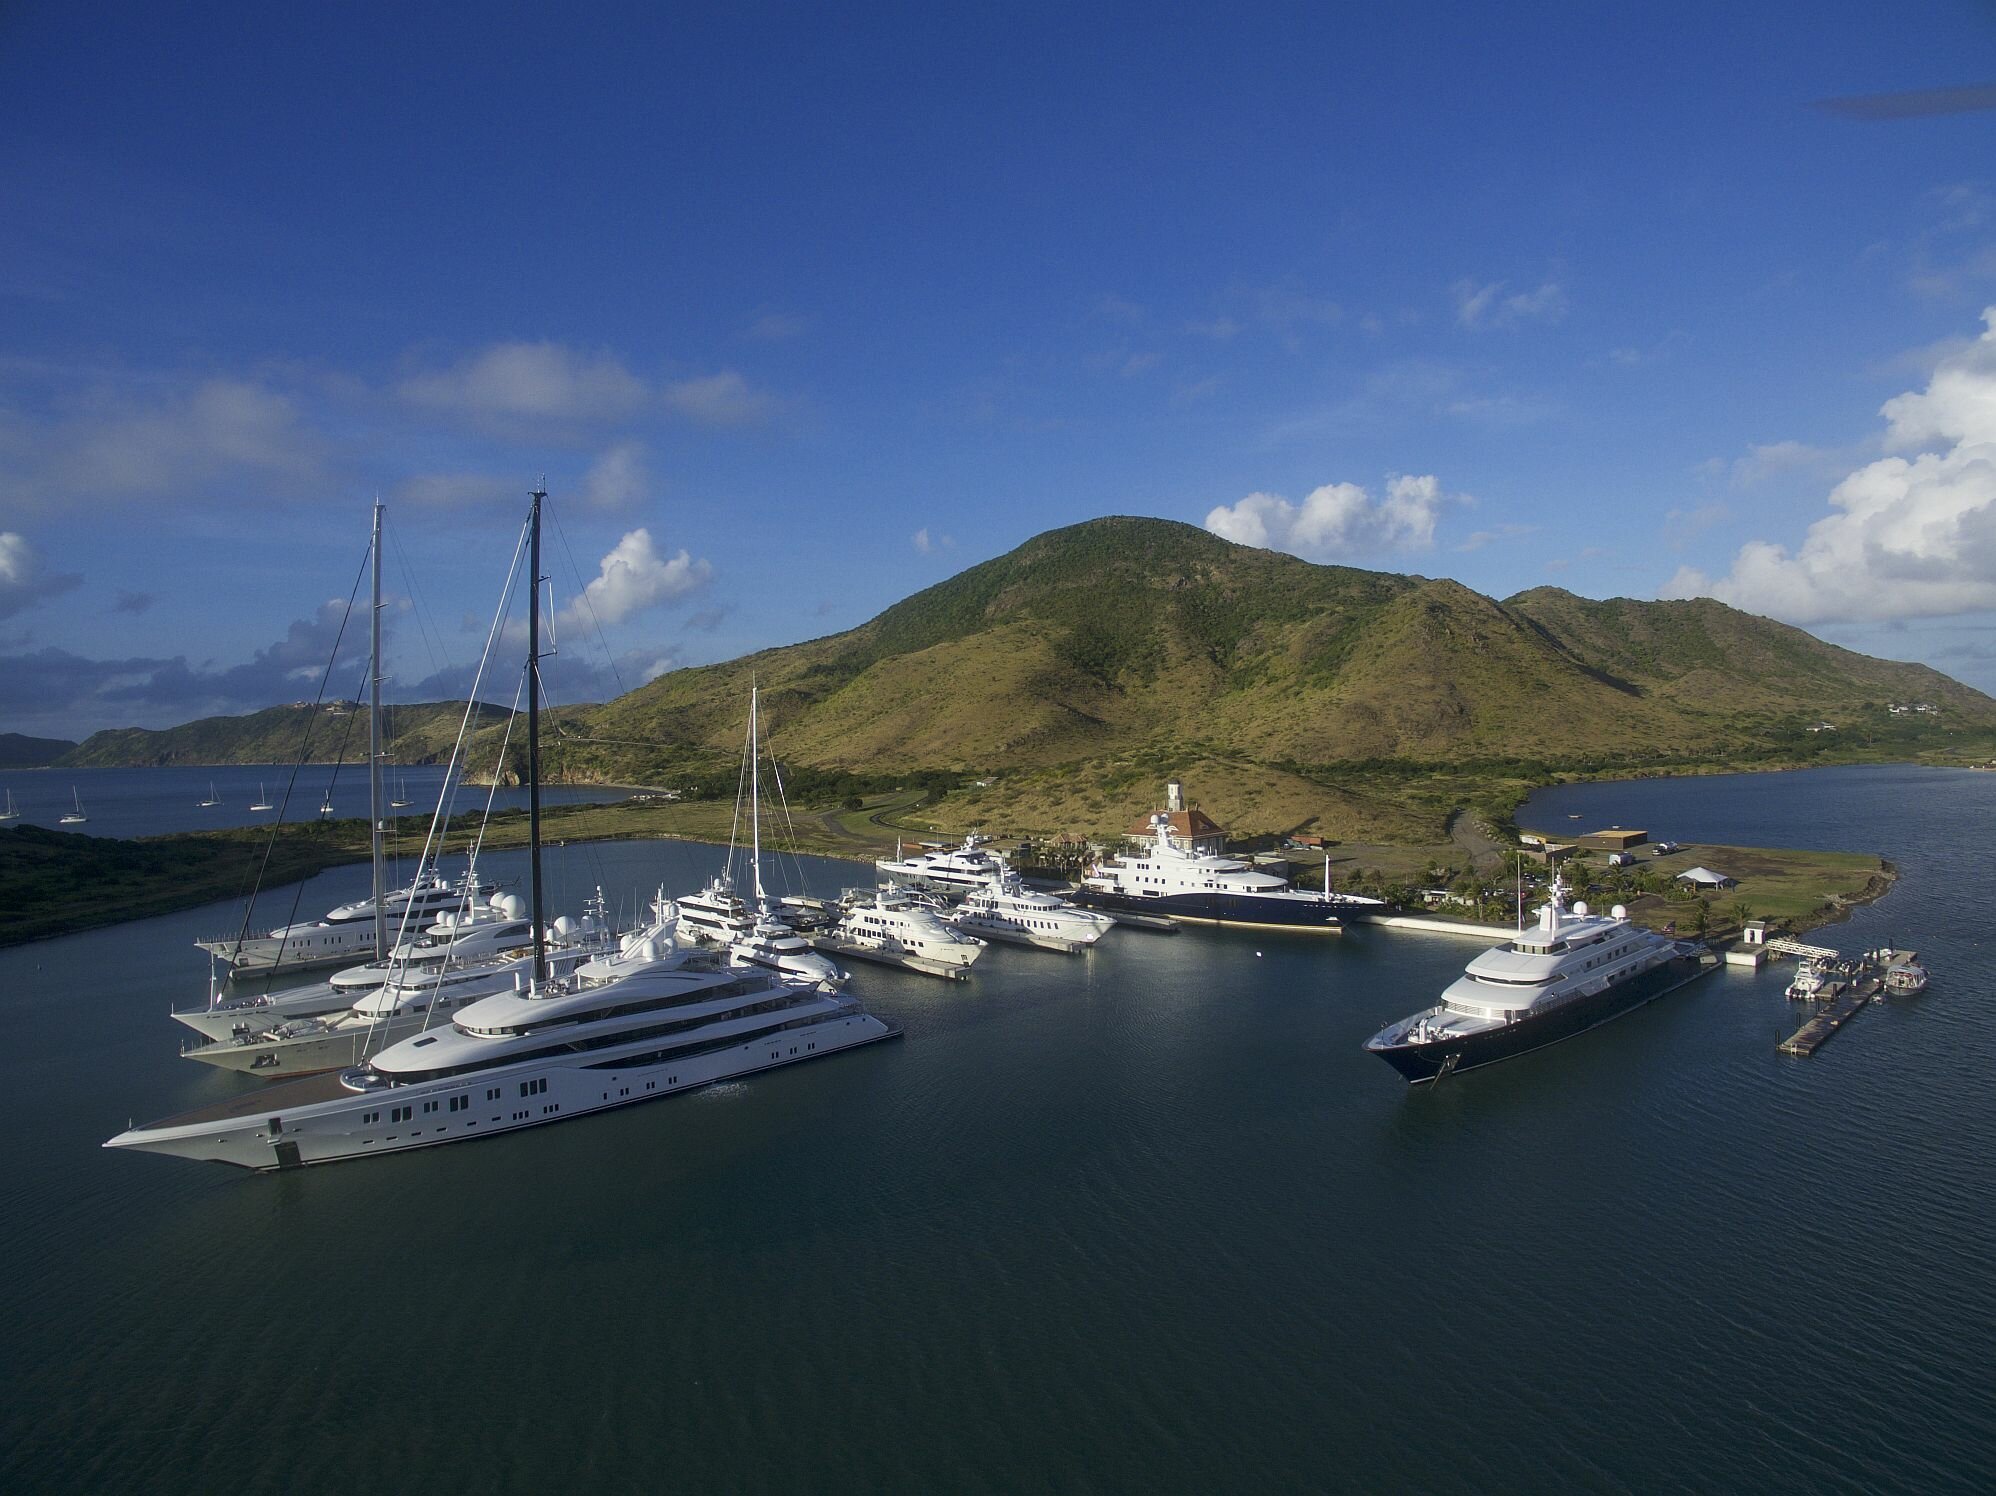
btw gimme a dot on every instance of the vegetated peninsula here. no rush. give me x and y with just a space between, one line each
419 733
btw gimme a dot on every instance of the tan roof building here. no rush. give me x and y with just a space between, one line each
1191 829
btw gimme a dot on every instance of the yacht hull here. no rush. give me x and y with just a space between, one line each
318 1121
1422 1063
1265 911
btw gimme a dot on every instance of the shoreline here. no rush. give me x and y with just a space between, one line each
184 870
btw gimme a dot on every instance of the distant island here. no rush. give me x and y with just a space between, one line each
417 733
19 751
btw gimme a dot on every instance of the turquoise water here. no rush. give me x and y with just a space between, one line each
1142 1220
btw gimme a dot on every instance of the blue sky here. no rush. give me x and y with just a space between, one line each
800 309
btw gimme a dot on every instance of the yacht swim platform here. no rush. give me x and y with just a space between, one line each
1159 924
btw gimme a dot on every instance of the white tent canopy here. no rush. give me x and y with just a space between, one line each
1704 877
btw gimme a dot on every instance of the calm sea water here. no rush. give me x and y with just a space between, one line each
152 802
1143 1220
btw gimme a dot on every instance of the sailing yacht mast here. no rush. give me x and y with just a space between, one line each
534 737
755 798
374 749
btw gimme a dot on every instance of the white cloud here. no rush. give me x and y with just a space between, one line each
777 327
1336 521
119 443
1495 533
1906 536
539 380
1772 459
633 579
1114 308
1486 306
618 478
24 581
928 544
458 490
723 399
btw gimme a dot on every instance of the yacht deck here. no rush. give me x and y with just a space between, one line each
279 1098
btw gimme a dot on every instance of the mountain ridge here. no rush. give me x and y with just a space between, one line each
1094 659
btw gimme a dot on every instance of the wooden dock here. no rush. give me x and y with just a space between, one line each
1845 1000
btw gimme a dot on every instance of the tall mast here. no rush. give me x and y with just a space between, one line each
755 796
374 748
534 737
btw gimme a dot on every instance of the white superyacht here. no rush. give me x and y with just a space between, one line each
1564 975
412 1001
1008 910
953 871
888 920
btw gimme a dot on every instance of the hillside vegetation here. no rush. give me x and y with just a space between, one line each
1056 687
416 734
1080 670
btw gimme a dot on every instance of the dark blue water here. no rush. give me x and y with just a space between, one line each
152 802
1145 1220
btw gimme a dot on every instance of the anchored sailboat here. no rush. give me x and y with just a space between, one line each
74 817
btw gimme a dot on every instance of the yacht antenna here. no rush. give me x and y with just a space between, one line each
374 748
534 737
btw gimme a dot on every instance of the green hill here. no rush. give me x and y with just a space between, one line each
19 751
416 734
1077 672
1087 664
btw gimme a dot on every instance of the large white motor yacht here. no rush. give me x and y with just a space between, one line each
561 1049
1008 910
954 871
887 919
1563 976
1168 879
345 934
775 946
716 915
489 927
414 1000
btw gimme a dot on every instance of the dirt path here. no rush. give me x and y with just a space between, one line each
1484 851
